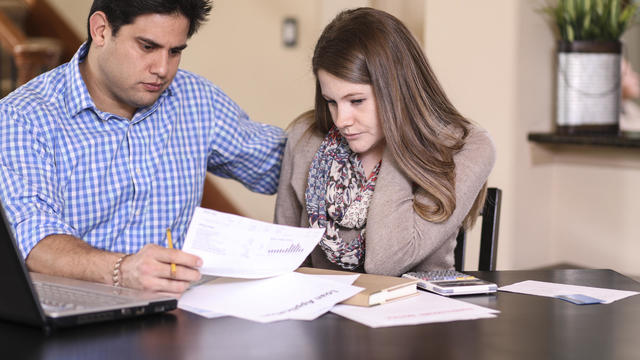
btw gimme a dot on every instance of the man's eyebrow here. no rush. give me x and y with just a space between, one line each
148 41
156 45
179 48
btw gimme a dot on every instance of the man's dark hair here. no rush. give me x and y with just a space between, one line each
124 12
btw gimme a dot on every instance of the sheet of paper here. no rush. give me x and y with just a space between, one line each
202 312
541 288
235 246
288 296
421 309
343 279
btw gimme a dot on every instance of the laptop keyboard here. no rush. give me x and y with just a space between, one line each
53 297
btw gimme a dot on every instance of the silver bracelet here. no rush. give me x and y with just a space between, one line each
117 274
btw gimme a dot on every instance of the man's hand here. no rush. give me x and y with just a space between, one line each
150 269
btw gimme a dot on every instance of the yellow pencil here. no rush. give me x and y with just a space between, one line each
170 245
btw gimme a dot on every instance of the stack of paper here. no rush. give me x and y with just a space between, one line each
288 296
256 261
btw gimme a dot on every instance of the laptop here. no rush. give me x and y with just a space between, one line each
53 302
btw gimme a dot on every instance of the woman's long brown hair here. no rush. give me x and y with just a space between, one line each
422 129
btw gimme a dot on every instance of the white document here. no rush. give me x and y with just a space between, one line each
288 296
184 305
343 279
421 309
541 288
202 312
235 246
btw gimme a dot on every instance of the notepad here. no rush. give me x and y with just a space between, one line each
378 289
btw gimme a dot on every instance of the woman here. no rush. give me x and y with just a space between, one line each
385 162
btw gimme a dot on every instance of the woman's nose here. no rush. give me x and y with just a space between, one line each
343 118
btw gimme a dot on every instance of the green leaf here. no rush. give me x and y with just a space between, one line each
613 17
599 8
570 35
604 20
586 23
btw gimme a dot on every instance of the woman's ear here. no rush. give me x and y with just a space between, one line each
99 28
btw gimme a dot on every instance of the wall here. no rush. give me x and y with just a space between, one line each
596 196
411 12
240 50
493 58
562 204
75 12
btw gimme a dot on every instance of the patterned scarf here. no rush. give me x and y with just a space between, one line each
337 196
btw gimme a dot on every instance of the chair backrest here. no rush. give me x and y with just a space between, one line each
488 237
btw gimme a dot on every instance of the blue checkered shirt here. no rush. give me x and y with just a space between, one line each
118 184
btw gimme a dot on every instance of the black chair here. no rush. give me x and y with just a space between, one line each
489 234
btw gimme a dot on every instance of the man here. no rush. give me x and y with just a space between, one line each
101 155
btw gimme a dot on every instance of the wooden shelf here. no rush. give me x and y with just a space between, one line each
608 140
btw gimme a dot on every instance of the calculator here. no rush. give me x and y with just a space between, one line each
451 282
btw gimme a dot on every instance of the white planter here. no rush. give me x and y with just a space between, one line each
588 87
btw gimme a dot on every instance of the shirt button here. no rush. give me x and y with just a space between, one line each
137 212
138 171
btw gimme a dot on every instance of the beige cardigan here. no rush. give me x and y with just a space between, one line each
397 239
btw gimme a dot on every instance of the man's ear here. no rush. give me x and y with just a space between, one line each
99 28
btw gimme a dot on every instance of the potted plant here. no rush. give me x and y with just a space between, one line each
589 54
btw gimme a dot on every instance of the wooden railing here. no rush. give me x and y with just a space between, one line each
43 20
30 55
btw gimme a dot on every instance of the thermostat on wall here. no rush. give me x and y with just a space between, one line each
290 32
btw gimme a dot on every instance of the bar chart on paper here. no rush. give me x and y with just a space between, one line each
292 249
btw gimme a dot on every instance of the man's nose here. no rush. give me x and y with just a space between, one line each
160 64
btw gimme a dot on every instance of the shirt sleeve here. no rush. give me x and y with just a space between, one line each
288 209
398 239
244 150
28 182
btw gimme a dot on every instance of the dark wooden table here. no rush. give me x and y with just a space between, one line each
528 327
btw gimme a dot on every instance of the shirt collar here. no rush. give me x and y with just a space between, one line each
78 98
77 95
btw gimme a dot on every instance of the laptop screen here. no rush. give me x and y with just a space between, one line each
91 302
19 301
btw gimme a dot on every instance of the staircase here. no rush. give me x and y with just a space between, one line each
33 39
